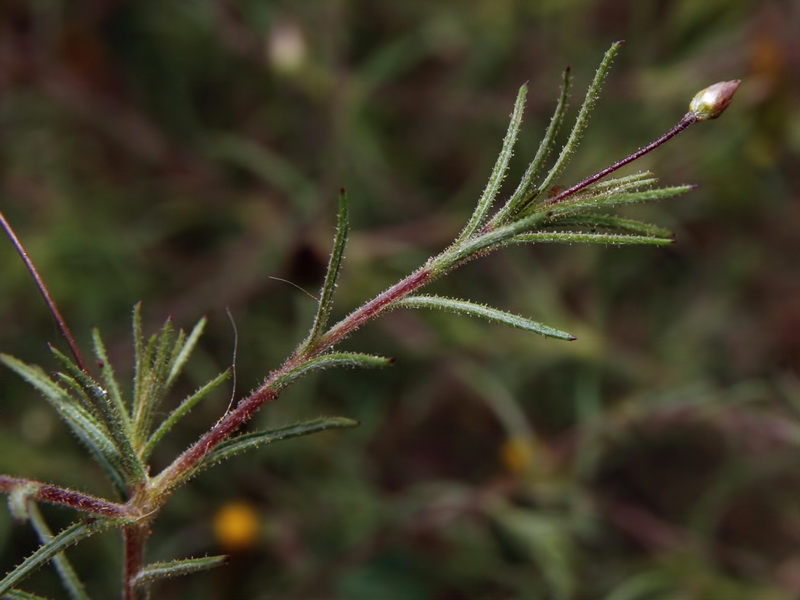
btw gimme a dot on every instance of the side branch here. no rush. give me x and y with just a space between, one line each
689 119
182 466
57 495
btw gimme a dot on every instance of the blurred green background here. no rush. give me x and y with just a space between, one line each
188 154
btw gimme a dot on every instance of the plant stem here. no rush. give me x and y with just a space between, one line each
483 242
134 537
247 407
53 494
51 304
688 119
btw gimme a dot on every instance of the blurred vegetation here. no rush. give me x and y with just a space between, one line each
188 154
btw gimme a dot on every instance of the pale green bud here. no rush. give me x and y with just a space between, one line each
712 101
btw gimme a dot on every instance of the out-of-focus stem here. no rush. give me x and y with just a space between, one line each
51 304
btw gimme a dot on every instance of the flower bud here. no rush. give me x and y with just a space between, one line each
712 101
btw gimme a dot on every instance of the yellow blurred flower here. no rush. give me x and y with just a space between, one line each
236 526
517 454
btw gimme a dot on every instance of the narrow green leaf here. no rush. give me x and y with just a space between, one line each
500 168
629 183
181 411
161 570
139 364
81 382
106 412
66 538
157 356
572 237
80 393
146 362
325 303
525 190
582 120
186 350
472 309
332 359
613 223
163 352
20 595
486 242
257 439
581 203
76 392
87 428
67 574
110 380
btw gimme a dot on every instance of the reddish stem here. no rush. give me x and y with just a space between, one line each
247 407
687 120
134 537
51 304
58 495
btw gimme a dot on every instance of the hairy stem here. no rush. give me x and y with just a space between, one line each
134 537
688 119
247 407
53 494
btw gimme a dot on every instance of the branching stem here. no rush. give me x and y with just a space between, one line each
688 119
484 241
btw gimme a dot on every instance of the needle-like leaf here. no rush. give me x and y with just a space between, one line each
66 538
582 120
20 595
158 355
67 574
181 411
613 223
525 190
257 439
332 359
572 237
186 348
582 204
86 427
110 380
111 414
500 168
175 568
140 366
629 183
325 305
472 309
